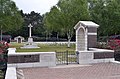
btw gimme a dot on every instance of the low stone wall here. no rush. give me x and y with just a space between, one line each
103 55
31 59
95 56
55 42
15 58
11 73
27 59
117 55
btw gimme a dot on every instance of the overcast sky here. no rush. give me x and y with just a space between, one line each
40 6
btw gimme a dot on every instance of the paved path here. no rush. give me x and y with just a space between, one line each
95 71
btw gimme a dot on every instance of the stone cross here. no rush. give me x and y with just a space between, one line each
30 30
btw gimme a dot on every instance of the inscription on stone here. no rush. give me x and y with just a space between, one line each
31 58
102 55
23 59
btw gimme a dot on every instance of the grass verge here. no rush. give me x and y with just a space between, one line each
43 47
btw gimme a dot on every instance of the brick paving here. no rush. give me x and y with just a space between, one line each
94 71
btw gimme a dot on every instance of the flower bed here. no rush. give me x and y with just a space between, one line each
3 58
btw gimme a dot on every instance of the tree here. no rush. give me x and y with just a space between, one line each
10 18
35 19
65 15
107 14
52 21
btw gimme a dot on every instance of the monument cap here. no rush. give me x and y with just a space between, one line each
30 25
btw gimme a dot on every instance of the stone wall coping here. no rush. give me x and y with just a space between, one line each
54 42
30 53
92 50
104 50
12 49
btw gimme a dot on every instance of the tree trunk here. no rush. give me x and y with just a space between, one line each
57 36
69 43
69 38
49 35
46 37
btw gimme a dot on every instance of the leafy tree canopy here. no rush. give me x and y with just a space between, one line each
31 18
65 15
10 18
107 14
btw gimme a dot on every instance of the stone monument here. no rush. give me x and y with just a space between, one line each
30 43
86 35
30 39
86 43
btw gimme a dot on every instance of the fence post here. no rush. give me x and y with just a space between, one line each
67 57
77 57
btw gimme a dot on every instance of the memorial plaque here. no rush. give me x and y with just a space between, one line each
103 55
12 59
31 58
23 59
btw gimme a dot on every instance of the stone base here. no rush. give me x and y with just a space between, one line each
95 56
30 40
30 46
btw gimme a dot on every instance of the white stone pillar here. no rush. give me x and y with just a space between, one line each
76 40
86 38
30 32
17 40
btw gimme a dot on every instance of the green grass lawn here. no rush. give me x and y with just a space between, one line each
43 48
